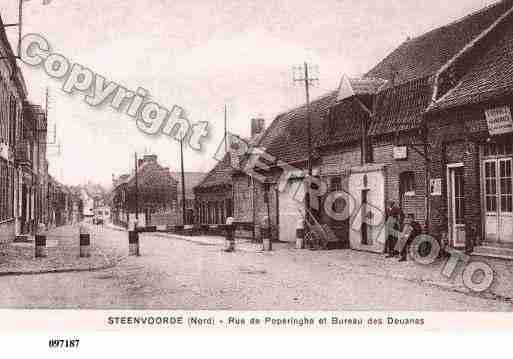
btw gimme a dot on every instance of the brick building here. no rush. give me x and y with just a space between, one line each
417 73
23 166
286 147
388 105
471 138
155 200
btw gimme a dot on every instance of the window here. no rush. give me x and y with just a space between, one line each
505 182
491 186
407 183
459 195
12 123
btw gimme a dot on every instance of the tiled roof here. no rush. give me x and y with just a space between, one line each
489 77
425 55
400 108
344 122
151 174
286 138
221 174
358 86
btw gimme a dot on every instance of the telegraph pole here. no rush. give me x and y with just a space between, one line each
183 183
306 79
136 190
225 130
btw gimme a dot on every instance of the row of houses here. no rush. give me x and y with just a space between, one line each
429 128
30 199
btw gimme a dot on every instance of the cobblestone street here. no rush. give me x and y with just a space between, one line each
176 274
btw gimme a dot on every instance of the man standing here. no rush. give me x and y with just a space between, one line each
394 216
411 230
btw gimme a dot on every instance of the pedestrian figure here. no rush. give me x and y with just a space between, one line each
411 230
394 217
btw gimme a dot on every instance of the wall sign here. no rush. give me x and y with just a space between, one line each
499 120
435 185
400 152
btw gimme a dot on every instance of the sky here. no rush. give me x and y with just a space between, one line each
201 55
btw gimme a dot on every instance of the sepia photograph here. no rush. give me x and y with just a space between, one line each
288 157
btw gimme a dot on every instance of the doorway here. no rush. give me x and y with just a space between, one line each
364 214
456 204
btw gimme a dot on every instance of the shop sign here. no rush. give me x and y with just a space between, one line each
435 185
499 120
400 152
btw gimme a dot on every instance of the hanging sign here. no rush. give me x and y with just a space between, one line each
499 120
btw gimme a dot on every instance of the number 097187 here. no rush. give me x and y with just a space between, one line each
63 343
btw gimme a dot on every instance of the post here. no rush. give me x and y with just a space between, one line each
40 251
85 243
133 242
183 184
229 233
136 192
309 134
266 235
300 235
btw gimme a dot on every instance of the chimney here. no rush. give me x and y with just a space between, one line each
146 159
150 158
257 126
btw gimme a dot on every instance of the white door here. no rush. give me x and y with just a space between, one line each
456 205
290 210
498 200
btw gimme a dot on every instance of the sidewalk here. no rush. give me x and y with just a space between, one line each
62 255
241 244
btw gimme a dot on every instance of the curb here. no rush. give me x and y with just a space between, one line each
110 264
190 240
55 271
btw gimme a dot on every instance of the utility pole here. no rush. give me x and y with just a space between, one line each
225 130
307 80
183 183
136 191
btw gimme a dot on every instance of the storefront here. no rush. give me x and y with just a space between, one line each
472 157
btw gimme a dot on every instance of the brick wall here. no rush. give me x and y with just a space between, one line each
447 132
383 154
340 160
249 205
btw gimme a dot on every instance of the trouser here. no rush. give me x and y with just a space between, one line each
390 245
405 249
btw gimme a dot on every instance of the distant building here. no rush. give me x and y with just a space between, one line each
192 179
216 196
152 202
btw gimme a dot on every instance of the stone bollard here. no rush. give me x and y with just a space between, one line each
40 246
85 243
229 233
300 235
133 243
267 244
